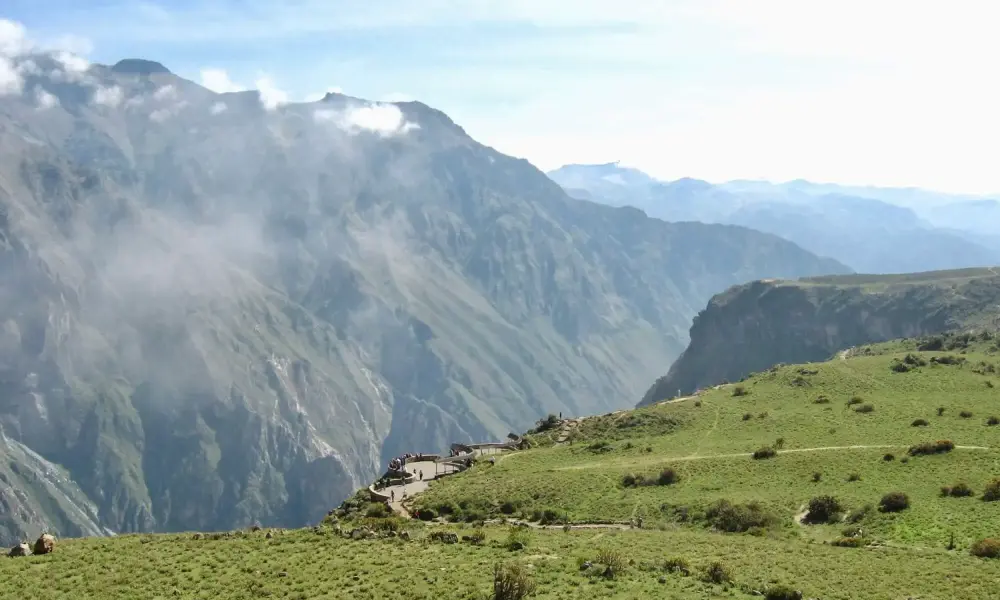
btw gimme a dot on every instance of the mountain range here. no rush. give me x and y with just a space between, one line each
226 308
871 230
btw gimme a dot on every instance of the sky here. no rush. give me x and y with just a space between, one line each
874 92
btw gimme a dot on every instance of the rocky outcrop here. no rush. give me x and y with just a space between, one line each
751 327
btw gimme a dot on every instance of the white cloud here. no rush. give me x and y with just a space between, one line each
71 62
108 96
317 96
11 82
165 93
219 82
270 96
383 119
13 38
219 108
161 114
45 100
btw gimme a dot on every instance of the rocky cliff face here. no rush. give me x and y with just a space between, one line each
216 309
753 326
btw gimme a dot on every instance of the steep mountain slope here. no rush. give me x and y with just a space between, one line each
754 326
223 308
865 233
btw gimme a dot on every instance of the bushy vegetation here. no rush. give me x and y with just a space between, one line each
992 491
824 509
894 502
986 548
739 518
764 452
938 447
511 582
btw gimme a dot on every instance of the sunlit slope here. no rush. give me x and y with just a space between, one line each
834 425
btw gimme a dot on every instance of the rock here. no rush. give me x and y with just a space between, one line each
255 527
45 544
21 549
360 533
404 535
516 546
586 565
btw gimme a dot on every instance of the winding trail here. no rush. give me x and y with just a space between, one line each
660 459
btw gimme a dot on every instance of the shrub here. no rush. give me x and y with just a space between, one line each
508 507
864 408
931 344
717 573
919 423
550 517
630 480
965 414
614 562
426 514
992 491
377 510
821 400
600 446
849 542
889 457
781 592
899 367
960 490
817 476
738 518
854 477
987 548
940 410
762 415
677 565
854 400
858 514
517 538
823 509
697 403
779 443
765 452
511 582
477 537
546 424
667 477
894 502
740 391
938 447
993 421
914 361
747 416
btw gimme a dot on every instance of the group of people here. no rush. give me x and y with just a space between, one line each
399 462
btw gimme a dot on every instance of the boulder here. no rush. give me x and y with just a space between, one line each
21 549
45 544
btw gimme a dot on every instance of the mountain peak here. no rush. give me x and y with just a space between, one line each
138 66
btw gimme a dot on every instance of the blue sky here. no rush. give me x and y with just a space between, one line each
869 92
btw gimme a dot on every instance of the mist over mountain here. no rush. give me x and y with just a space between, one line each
224 308
872 230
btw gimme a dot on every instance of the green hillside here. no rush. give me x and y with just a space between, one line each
920 418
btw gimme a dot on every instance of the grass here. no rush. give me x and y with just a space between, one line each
709 448
698 452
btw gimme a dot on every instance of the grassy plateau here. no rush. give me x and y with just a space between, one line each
872 475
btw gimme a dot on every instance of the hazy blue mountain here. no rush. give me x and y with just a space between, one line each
866 233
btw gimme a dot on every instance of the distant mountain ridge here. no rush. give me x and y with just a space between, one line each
224 308
872 234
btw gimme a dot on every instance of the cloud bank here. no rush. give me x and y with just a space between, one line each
383 119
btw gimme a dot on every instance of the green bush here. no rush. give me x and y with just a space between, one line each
960 490
894 502
864 408
993 421
377 510
854 477
855 400
987 548
940 410
667 477
781 592
965 414
740 391
919 423
765 452
511 582
858 514
677 565
747 416
817 476
738 518
889 457
613 561
992 491
426 514
824 509
717 573
849 542
821 400
938 447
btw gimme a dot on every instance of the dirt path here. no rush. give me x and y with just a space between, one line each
567 428
657 459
